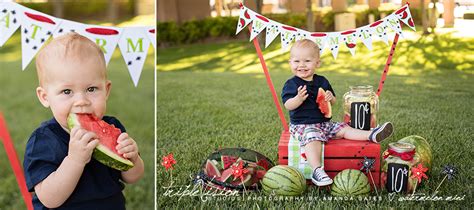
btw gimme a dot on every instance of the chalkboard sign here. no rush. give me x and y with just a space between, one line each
360 115
397 177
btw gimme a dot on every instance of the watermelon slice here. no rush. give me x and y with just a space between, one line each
227 161
212 170
324 106
105 152
227 175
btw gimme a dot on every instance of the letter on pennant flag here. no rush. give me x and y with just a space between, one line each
259 23
273 29
405 16
365 35
9 21
393 22
379 29
36 29
134 44
287 35
334 38
67 26
105 37
320 40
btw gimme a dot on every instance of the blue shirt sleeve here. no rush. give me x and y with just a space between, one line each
289 91
43 156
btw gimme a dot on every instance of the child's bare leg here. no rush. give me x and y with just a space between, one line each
376 135
351 133
313 153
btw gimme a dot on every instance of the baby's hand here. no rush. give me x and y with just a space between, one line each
302 93
82 144
329 96
127 147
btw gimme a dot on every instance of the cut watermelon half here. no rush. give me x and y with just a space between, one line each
324 106
105 151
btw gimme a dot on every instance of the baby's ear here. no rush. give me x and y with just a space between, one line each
318 63
108 86
42 96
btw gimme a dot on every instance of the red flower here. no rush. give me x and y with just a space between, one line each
238 171
418 172
168 161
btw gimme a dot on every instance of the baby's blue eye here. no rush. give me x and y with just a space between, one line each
67 91
91 89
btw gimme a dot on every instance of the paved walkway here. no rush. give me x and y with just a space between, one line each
462 28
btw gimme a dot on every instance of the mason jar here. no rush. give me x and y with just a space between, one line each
361 106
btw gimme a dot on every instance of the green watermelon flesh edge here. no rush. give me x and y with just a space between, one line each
105 151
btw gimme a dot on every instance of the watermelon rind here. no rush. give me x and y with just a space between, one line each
101 153
422 149
350 182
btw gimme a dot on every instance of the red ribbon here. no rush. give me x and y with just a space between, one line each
14 162
402 155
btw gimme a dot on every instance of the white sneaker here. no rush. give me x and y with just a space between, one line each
381 132
320 178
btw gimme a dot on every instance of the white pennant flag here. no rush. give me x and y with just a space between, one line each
393 22
36 29
287 35
244 19
259 23
272 31
302 34
350 38
365 35
67 26
379 29
134 45
9 21
320 39
150 31
405 16
105 37
334 38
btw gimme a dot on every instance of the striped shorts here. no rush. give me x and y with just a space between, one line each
306 133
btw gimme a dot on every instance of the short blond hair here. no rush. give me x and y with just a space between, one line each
71 47
306 43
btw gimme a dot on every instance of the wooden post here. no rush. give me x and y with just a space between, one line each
448 14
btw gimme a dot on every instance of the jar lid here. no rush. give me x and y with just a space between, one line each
401 147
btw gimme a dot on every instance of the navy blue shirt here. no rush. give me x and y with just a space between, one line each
308 112
99 186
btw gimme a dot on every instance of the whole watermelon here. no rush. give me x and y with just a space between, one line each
422 147
350 182
283 180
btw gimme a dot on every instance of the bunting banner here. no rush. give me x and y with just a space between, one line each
37 28
326 40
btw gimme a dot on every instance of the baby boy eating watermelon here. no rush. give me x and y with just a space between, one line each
303 95
58 165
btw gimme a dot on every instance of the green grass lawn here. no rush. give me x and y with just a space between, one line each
215 95
134 106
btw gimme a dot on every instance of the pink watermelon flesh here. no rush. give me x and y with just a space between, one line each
211 170
105 152
227 161
226 175
324 106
